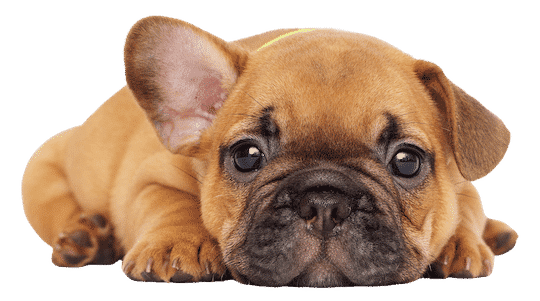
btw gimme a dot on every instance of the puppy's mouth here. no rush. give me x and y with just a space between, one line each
321 228
299 257
321 273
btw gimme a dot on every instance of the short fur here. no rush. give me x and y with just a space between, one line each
151 176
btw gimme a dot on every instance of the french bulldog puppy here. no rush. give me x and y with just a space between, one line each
310 157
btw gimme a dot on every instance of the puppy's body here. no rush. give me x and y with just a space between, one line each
335 160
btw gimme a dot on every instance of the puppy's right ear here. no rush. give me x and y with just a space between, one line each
180 75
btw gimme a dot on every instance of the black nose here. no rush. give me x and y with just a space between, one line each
322 197
323 209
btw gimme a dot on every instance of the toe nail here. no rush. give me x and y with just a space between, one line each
209 278
128 267
468 262
165 264
435 270
149 265
175 264
487 263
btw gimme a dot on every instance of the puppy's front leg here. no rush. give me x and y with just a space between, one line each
471 250
171 243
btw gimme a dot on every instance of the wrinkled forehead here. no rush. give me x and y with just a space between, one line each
334 91
341 127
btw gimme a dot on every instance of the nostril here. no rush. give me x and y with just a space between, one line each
334 213
340 213
336 219
307 212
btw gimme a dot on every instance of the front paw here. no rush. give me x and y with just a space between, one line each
469 256
162 258
464 256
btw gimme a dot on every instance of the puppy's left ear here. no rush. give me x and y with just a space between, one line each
180 75
478 137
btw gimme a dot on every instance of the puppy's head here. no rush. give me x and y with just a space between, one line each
331 157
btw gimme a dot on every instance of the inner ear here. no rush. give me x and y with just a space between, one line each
180 75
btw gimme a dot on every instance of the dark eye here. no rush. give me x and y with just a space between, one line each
248 157
405 163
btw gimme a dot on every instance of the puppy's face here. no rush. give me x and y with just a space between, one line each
325 171
332 161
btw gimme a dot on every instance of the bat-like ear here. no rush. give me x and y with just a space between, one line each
479 138
180 75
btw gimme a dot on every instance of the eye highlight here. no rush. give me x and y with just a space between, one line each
248 157
406 163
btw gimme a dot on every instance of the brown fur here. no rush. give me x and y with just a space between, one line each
112 188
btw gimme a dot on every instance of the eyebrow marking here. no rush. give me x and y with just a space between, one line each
267 127
392 131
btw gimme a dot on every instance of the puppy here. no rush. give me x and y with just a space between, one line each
295 157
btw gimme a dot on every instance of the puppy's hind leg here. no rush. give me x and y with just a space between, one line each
50 206
499 236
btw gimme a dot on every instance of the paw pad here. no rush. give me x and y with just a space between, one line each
88 240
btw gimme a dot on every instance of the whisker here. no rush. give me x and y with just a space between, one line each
255 100
411 122
249 115
187 173
448 130
407 113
